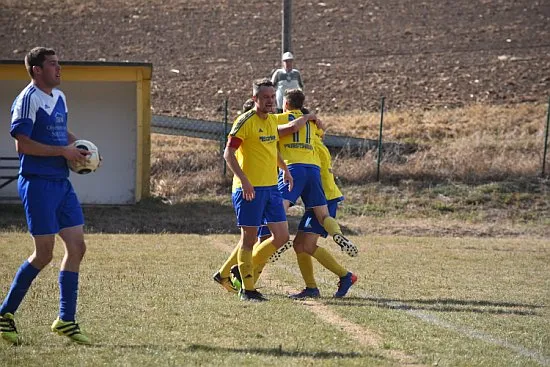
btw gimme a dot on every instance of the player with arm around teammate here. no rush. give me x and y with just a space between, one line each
43 141
298 153
251 154
222 275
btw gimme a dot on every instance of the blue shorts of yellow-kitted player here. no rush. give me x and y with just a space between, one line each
266 207
307 185
309 222
50 204
263 231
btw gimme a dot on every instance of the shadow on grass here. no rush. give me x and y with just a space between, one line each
277 352
148 216
442 305
274 352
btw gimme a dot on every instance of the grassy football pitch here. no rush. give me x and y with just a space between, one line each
149 300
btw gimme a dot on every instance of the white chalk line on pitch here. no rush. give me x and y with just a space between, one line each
432 319
428 318
357 332
424 316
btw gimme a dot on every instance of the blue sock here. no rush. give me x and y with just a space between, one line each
68 287
19 287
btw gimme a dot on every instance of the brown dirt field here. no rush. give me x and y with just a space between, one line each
432 53
351 53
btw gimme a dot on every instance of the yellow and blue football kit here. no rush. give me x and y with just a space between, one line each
257 157
309 222
298 152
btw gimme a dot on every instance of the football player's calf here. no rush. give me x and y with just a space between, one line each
277 254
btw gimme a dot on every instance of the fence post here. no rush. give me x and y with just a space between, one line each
546 139
287 26
225 113
379 158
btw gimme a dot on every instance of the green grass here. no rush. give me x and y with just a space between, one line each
149 300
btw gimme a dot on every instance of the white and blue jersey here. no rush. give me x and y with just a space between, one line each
45 190
43 118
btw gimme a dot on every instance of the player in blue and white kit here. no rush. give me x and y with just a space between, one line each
43 141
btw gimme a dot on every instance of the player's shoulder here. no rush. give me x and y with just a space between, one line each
293 114
246 116
28 92
58 93
273 117
242 120
27 97
278 116
283 117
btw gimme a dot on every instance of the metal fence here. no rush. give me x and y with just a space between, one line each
216 130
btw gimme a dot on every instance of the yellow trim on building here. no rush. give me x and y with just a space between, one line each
84 73
140 73
145 107
143 154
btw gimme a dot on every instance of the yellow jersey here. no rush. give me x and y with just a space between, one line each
257 154
297 147
325 162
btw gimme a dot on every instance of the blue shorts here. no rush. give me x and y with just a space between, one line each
307 185
309 222
264 231
50 205
266 207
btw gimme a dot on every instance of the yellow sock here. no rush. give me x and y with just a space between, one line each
331 226
306 268
245 268
257 272
260 255
231 260
328 261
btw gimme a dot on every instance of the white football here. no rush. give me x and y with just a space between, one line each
92 161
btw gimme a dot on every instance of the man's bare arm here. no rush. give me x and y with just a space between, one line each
295 125
26 145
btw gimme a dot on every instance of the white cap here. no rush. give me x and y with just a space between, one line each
288 56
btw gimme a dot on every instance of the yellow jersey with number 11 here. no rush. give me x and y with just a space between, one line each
297 148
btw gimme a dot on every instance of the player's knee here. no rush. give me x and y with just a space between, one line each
309 248
298 247
41 259
82 250
284 238
76 252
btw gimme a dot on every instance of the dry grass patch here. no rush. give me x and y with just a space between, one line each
472 145
478 164
185 168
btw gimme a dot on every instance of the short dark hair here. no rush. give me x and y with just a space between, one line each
36 57
259 83
295 98
248 105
